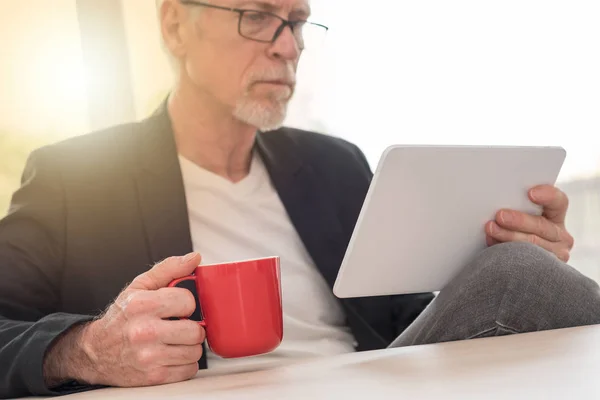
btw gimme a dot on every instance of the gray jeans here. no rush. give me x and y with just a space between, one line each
508 288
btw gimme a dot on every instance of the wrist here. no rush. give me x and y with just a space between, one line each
68 358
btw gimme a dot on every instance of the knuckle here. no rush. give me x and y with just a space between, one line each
158 376
533 239
142 333
139 303
145 357
542 227
558 233
180 296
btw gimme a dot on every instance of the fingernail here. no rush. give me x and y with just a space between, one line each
188 257
534 195
506 217
538 193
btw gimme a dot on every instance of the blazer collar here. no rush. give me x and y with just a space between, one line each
157 149
276 150
160 188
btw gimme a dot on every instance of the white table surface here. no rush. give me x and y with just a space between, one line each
560 364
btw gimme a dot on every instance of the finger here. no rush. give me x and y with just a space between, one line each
166 271
162 303
503 235
563 254
181 373
175 302
183 332
181 355
532 224
171 374
554 201
490 241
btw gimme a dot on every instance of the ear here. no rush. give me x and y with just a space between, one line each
172 16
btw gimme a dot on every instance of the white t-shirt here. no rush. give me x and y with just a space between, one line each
243 220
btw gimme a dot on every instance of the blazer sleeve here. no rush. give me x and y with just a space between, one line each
31 258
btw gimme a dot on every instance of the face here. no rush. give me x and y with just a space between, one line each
253 81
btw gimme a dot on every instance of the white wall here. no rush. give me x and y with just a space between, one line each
466 72
151 72
42 86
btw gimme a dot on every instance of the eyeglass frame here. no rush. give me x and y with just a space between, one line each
241 11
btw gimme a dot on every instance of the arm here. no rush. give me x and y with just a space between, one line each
31 259
46 352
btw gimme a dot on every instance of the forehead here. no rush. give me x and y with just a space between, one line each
275 5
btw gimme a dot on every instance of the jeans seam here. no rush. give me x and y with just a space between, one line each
508 328
498 323
498 326
482 333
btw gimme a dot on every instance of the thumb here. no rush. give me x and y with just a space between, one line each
166 271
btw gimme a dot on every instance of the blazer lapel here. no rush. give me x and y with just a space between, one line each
160 190
305 200
161 197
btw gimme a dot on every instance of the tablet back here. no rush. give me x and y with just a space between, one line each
424 215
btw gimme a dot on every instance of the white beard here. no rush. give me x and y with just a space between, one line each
269 111
265 114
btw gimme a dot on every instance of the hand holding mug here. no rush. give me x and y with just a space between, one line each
134 343
241 306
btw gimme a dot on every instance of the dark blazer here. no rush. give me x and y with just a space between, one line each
95 211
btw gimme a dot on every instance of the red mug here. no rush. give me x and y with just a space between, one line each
241 306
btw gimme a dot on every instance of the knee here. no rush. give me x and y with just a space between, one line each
506 256
519 264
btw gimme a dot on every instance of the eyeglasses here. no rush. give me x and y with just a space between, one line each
266 27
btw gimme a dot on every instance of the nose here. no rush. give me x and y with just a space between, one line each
285 46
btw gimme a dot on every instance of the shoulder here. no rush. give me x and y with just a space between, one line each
105 144
318 143
322 150
102 153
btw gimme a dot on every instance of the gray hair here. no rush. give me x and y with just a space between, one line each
172 60
194 12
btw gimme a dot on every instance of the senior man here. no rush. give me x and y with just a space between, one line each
80 306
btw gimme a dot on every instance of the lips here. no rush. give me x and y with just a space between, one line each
278 82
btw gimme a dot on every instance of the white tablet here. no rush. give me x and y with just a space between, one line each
423 218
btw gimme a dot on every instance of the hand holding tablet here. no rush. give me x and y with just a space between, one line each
426 210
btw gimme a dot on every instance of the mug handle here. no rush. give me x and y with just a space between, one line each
178 281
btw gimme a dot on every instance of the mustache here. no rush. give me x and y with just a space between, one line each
280 74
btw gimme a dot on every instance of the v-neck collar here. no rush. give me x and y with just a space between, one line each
197 177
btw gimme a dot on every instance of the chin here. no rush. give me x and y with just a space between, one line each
266 115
